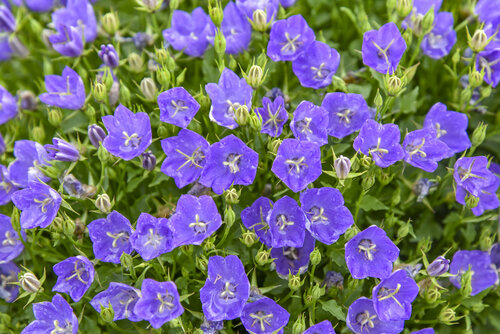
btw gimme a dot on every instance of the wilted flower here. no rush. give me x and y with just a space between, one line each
423 150
442 37
264 316
255 218
177 107
439 266
362 319
62 150
8 275
8 109
293 260
148 160
333 279
273 115
53 317
65 91
310 123
109 56
324 327
122 298
287 223
236 29
152 236
10 242
74 276
483 272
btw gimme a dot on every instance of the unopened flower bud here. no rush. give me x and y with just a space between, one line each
151 5
378 101
127 261
110 23
229 216
241 115
368 182
232 196
55 117
394 85
162 131
273 145
475 78
38 134
201 263
342 167
107 314
478 41
455 59
255 121
255 76
479 134
299 326
219 43
208 244
404 7
18 48
103 203
315 257
417 21
163 76
96 134
248 238
124 94
471 201
447 315
99 92
438 267
466 283
148 160
215 12
485 92
148 89
29 282
466 95
109 56
135 62
333 279
428 21
294 282
28 100
173 4
403 230
263 257
317 292
103 154
259 20
432 295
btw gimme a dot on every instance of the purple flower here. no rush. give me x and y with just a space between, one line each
53 317
129 134
316 66
420 8
122 298
479 263
109 56
293 260
473 174
78 14
65 91
8 109
347 113
439 266
62 150
159 302
362 319
310 123
67 40
227 96
226 289
287 223
38 5
186 155
5 54
39 204
324 327
74 276
328 218
29 155
7 20
488 199
273 115
393 296
488 60
190 33
211 327
230 162
423 150
10 242
383 48
450 127
236 29
177 107
152 236
8 275
248 7
111 237
488 12
370 254
264 316
441 39
96 135
6 186
195 219
255 218
495 254
381 141
297 163
289 38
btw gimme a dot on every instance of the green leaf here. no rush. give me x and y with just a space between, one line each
370 203
334 309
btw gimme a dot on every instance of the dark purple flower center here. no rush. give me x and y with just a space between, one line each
296 165
320 72
261 319
79 272
195 159
303 125
365 319
199 227
166 301
415 147
133 140
292 44
233 162
291 253
121 237
345 116
228 292
367 247
282 222
317 214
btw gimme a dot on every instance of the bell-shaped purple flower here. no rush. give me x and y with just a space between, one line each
293 260
65 91
423 150
346 113
159 302
420 8
370 254
37 5
236 29
111 237
53 317
450 127
362 319
255 218
109 56
190 33
287 223
381 141
186 156
289 38
67 40
39 204
310 123
122 298
230 162
226 289
488 199
488 61
316 66
297 163
195 219
152 236
7 188
382 49
484 274
273 115
74 276
393 296
129 134
177 107
324 327
29 155
96 134
439 266
10 242
472 173
227 96
8 275
487 12
79 14
248 7
264 316
442 37
7 20
328 218
62 150
8 109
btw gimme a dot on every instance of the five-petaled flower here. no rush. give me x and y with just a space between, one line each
8 105
74 276
289 38
177 107
423 150
483 273
122 298
236 29
255 218
53 317
310 123
362 319
440 40
264 316
64 91
10 242
273 115
152 236
293 260
287 223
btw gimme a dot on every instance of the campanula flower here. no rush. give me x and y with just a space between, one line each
7 188
236 29
488 199
36 5
190 33
287 3
5 53
248 7
423 150
230 162
226 289
109 56
29 155
67 40
79 14
264 316
273 115
472 173
8 105
39 204
65 91
129 134
487 11
111 237
381 141
159 302
177 107
479 263
324 327
186 157
488 60
62 150
53 317
8 275
195 219
442 37
227 96
122 298
316 66
74 276
10 242
152 236
211 327
370 254
287 223
297 163
255 218
328 218
310 123
346 113
7 20
362 319
439 266
382 49
420 8
293 260
450 127
289 38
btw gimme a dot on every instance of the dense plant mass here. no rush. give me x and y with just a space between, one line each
249 166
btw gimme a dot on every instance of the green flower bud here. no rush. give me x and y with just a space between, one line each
202 263
127 261
232 196
428 21
367 182
351 232
294 282
162 131
408 36
378 101
187 250
273 145
248 238
219 43
162 55
393 85
479 134
69 226
150 5
103 203
255 76
99 92
432 295
455 59
475 78
30 283
317 292
366 161
232 63
135 62
208 244
447 315
259 20
471 201
148 89
466 283
396 196
417 24
315 257
229 216
163 76
485 92
180 78
255 121
38 134
403 7
55 117
263 257
174 4
299 325
102 154
466 95
124 94
107 314
478 41
90 113
424 245
241 115
215 12
110 22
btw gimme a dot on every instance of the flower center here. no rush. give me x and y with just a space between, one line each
378 150
364 319
133 139
317 214
413 149
130 297
262 222
233 162
154 238
78 272
68 91
178 105
367 246
320 72
43 203
67 329
465 174
292 44
345 116
296 164
303 125
487 66
166 301
229 291
262 318
282 223
10 239
439 132
232 107
273 118
117 236
291 253
383 53
198 226
195 159
386 293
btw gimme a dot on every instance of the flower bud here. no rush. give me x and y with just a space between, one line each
299 326
485 92
232 196
162 131
208 244
432 295
294 282
99 92
28 100
135 62
29 282
215 12
107 314
151 5
124 94
471 201
317 292
263 257
201 263
103 203
393 85
127 261
148 89
466 284
378 101
333 279
455 59
368 182
315 257
466 95
229 216
475 78
173 4
102 154
232 63
109 56
417 21
447 315
110 23
96 135
479 134
241 115
55 117
259 20
404 7
428 21
438 267
248 238
478 41
148 160
403 230
273 145
255 76
163 76
219 43
38 134
342 167
366 161
180 78
255 121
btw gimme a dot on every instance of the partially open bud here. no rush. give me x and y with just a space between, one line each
342 167
273 145
259 20
294 282
439 266
299 326
135 62
148 160
393 85
447 315
110 23
151 5
404 7
478 41
476 78
148 89
241 115
29 282
103 203
232 196
255 121
263 257
255 76
479 134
